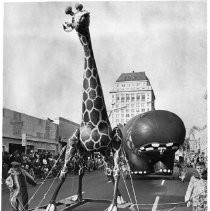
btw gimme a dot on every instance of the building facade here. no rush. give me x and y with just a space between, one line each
132 95
25 133
66 128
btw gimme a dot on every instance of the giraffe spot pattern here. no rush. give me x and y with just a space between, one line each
98 103
89 105
103 127
85 65
99 91
104 140
95 128
85 84
95 135
97 146
93 83
94 72
90 63
104 114
83 107
84 41
87 51
85 134
92 94
89 145
86 117
88 74
95 117
85 96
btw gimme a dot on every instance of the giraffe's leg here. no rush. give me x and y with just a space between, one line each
116 149
71 149
81 173
109 173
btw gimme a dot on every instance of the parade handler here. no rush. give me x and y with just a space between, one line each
196 194
17 184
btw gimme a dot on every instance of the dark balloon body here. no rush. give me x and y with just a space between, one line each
150 141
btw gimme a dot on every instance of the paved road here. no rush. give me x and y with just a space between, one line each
152 192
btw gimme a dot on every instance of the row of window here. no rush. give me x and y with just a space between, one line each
127 114
130 97
132 105
134 84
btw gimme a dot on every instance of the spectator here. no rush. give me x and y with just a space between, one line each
196 194
17 183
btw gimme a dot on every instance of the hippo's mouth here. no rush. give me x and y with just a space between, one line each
161 147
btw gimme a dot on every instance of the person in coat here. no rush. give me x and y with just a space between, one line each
196 194
17 184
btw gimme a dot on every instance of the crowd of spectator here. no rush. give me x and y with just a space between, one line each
42 164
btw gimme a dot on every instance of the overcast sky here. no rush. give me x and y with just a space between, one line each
43 65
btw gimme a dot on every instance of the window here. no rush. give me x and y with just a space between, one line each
143 97
117 97
143 104
132 110
132 115
137 110
127 110
137 104
122 115
132 97
127 97
143 109
137 96
127 115
122 98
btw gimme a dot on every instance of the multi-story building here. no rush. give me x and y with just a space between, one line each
24 133
132 95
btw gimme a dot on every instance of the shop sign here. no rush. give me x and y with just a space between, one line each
24 140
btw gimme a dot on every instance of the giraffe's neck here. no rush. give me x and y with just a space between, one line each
93 107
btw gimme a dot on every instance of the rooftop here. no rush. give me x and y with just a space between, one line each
133 76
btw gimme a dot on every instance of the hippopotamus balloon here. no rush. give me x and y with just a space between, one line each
150 141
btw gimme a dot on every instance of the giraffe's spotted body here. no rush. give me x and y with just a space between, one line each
95 133
95 129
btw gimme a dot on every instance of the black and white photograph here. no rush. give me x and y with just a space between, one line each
104 106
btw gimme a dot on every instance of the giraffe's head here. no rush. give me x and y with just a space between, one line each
80 20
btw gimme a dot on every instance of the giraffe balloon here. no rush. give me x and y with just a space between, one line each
95 133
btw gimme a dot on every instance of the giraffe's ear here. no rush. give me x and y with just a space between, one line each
67 27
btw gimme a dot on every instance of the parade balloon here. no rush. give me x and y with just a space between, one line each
150 141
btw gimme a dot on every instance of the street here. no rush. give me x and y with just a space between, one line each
152 192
